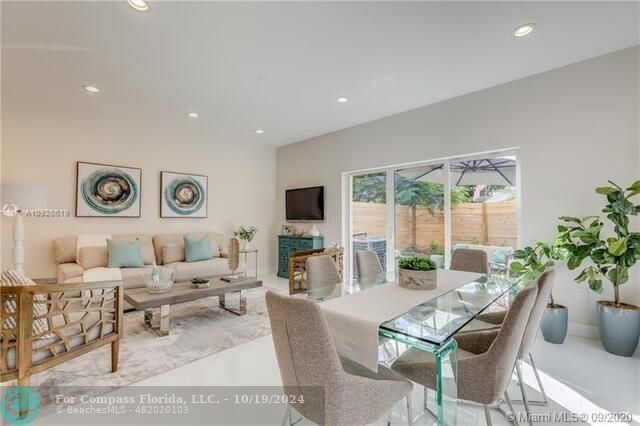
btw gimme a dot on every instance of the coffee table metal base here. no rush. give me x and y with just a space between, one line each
242 303
162 329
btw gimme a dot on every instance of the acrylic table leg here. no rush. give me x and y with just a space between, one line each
446 382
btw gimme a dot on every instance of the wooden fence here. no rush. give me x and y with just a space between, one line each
493 224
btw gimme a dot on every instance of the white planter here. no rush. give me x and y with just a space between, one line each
418 280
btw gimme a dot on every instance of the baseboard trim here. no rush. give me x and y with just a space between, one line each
583 330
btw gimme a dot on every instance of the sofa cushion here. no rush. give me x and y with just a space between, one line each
160 240
134 277
172 252
197 249
93 257
215 267
125 254
64 250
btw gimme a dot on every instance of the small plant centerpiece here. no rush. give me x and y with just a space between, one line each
417 273
610 259
200 282
246 234
527 265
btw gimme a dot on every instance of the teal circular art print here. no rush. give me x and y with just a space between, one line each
109 191
20 406
184 195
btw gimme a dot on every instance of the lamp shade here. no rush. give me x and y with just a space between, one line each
24 196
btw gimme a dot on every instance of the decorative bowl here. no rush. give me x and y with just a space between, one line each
200 283
163 282
418 280
157 287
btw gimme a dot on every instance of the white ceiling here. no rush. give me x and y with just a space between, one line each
281 66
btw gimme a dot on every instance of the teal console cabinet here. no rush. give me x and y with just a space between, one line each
287 244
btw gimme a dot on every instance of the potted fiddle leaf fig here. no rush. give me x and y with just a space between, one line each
610 258
528 264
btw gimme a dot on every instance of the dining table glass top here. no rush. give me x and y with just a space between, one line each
435 321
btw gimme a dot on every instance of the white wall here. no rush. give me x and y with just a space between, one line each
576 127
43 139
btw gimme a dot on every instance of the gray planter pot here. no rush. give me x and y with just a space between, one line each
619 327
554 324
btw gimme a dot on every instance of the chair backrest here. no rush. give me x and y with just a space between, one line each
545 285
470 260
306 354
369 266
500 358
322 272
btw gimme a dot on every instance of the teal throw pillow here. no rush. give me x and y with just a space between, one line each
195 250
125 254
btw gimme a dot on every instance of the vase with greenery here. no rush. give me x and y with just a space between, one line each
610 258
246 234
417 273
527 265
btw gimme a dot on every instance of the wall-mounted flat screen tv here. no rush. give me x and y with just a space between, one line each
305 203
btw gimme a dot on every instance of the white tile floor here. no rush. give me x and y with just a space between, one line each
579 376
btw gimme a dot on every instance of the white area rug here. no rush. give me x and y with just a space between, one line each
197 329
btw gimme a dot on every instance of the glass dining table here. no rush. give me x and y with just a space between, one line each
431 326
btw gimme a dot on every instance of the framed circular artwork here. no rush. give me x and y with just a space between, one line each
104 190
183 195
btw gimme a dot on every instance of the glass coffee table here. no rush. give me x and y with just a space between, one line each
182 291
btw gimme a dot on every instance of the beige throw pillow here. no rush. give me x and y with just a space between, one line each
93 257
10 278
172 252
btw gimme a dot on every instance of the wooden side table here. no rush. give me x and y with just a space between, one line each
246 252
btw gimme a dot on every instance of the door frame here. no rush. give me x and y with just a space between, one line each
390 226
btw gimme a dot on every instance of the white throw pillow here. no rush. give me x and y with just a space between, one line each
10 278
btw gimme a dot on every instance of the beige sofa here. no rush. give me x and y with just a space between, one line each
69 269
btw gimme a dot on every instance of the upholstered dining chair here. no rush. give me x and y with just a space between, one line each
323 276
486 359
545 286
369 266
308 361
469 260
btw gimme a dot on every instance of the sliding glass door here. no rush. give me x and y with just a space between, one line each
433 208
369 217
420 212
484 210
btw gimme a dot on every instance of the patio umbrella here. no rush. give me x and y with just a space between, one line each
487 171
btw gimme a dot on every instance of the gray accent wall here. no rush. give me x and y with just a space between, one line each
576 127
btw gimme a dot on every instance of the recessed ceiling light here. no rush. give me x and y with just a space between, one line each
139 5
523 30
193 115
259 131
343 99
91 89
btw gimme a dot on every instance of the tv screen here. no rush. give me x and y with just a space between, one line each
305 203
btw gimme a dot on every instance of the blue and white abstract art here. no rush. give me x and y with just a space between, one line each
183 195
107 191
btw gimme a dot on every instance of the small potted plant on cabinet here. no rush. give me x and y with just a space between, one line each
611 258
528 264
